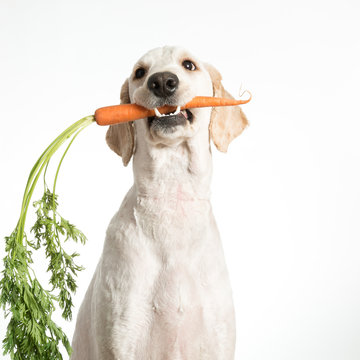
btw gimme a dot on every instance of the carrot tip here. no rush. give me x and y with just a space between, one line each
250 95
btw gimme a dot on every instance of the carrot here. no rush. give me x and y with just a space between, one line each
115 114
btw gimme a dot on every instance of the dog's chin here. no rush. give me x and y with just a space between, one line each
170 127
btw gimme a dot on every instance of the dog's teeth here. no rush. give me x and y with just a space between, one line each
157 113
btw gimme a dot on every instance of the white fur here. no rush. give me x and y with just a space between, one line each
161 289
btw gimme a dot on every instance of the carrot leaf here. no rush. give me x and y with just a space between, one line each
31 333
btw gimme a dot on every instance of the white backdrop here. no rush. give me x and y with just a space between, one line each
286 195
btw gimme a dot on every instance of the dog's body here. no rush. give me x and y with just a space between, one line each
161 289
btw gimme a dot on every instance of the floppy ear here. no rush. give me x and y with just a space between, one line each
227 122
120 137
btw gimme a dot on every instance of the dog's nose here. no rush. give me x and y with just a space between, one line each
163 84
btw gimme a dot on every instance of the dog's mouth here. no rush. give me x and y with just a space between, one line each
170 120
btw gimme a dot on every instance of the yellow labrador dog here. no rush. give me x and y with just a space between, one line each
161 289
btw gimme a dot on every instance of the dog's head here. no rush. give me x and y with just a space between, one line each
172 76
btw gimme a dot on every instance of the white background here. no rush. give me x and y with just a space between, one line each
286 195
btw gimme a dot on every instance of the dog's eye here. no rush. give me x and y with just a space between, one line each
139 73
188 65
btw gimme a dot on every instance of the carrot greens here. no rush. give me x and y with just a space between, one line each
31 333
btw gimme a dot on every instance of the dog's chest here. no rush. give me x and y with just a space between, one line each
165 241
164 269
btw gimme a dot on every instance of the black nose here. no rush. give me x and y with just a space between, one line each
163 84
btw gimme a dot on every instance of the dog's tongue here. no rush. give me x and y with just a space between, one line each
184 112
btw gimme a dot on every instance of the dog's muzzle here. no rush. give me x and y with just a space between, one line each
164 85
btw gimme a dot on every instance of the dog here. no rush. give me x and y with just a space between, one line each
161 289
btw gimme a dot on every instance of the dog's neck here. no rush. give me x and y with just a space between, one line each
181 172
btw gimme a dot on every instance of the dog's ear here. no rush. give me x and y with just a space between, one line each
120 137
227 122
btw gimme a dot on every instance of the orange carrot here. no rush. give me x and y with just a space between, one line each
115 114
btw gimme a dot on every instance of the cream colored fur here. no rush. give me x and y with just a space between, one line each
161 289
